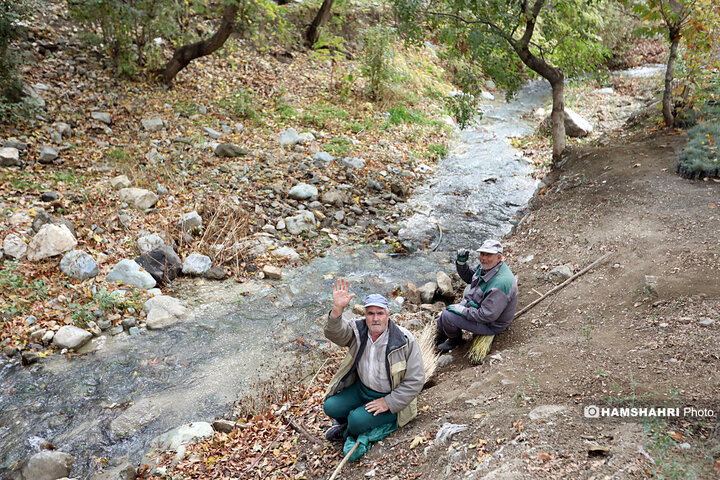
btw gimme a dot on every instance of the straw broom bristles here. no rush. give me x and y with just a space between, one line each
429 352
480 348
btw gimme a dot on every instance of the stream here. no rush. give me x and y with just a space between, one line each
196 369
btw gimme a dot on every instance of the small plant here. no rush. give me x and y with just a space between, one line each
438 151
338 146
376 61
700 157
241 103
401 114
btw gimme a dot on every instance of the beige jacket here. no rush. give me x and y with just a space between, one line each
403 361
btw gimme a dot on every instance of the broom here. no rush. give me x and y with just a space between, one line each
481 343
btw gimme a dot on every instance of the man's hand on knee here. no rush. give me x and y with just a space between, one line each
377 406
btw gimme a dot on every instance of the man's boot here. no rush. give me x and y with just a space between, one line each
440 336
450 343
336 433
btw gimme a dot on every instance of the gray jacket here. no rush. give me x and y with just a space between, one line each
403 361
491 296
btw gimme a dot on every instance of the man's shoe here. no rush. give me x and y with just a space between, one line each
336 433
440 336
450 343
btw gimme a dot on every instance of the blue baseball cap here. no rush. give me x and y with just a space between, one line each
375 300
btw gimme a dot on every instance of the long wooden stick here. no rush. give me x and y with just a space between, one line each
563 285
344 460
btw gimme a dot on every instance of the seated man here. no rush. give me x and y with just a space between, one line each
382 374
489 302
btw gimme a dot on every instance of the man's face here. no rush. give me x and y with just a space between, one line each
376 319
489 260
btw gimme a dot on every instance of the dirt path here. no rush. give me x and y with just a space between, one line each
605 336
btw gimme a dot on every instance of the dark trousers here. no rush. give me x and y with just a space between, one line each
349 405
453 324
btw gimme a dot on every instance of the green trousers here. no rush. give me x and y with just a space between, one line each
349 405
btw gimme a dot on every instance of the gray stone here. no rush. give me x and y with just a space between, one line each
224 426
10 351
412 294
163 311
70 336
162 190
63 129
324 157
47 465
190 221
303 191
135 417
214 134
288 138
427 292
14 246
230 150
47 337
562 272
10 157
133 331
121 181
217 272
706 322
28 357
130 273
101 117
162 263
51 240
56 138
335 197
47 155
444 284
575 125
302 222
116 330
124 471
196 264
445 360
139 197
272 273
128 322
19 219
49 196
153 124
651 283
353 162
286 253
79 265
150 242
545 411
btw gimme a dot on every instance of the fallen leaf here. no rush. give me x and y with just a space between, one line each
417 440
544 457
675 435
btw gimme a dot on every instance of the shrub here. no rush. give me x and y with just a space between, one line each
401 114
376 60
700 156
13 104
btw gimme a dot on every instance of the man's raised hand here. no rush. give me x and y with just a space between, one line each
341 297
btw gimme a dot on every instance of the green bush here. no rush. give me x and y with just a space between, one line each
128 29
14 105
700 156
241 103
401 114
376 60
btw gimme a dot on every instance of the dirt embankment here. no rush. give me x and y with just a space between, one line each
608 335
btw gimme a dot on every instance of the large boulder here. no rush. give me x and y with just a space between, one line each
14 246
575 125
51 240
163 311
300 223
444 284
47 465
70 336
162 263
130 273
139 197
303 191
427 292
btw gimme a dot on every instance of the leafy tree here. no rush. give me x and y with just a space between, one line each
312 34
551 39
689 20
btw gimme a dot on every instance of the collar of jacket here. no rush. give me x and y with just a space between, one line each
488 274
396 340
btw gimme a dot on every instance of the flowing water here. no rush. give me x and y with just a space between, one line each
195 369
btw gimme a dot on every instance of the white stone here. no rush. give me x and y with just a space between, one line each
353 162
444 284
101 117
287 253
14 246
299 223
121 181
163 311
70 336
139 197
191 221
272 273
51 240
20 219
288 138
153 124
150 242
130 273
575 125
303 191
196 264
10 157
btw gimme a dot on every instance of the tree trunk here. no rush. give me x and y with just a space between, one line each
313 32
667 101
187 53
558 117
